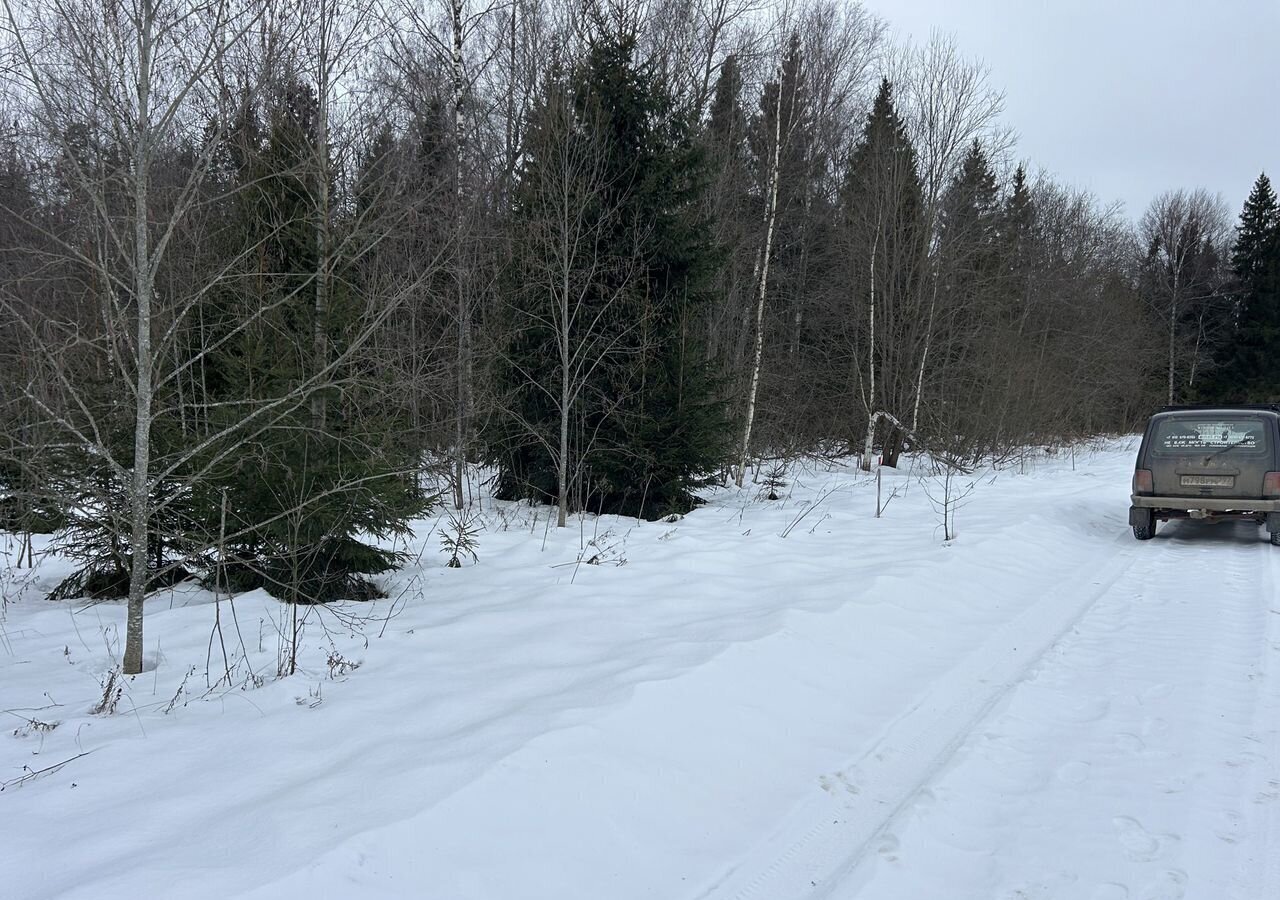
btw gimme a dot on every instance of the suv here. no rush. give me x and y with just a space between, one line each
1208 462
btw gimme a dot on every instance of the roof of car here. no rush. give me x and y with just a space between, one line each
1223 407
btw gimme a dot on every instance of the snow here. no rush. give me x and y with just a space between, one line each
1040 708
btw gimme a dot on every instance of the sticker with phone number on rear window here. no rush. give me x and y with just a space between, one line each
1210 435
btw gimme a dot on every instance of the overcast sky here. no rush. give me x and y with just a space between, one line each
1127 98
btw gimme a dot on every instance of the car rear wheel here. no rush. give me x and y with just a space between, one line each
1275 538
1145 529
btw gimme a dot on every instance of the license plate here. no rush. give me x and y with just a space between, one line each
1208 480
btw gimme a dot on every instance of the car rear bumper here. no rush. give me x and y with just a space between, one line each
1208 504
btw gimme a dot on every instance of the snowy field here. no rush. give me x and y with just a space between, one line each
765 699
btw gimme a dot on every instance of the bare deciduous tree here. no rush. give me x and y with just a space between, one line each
568 278
1183 233
134 76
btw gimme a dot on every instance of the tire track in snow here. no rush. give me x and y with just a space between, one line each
834 834
1260 871
1220 633
1204 633
1161 762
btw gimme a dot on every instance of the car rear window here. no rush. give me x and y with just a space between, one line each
1210 433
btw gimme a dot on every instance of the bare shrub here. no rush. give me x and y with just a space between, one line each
112 691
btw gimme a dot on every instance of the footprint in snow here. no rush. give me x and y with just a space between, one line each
1057 885
1171 885
1243 760
1231 828
1138 843
1154 726
1090 710
840 783
924 799
1130 743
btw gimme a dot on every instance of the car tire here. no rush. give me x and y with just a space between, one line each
1146 530
1275 539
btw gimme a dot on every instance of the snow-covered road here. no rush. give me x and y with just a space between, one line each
779 700
1133 754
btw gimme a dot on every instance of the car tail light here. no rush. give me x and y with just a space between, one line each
1271 484
1142 483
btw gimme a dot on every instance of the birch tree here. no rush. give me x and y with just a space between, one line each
885 226
465 23
161 289
948 103
781 132
134 76
1182 232
566 280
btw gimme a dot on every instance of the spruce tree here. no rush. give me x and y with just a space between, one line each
555 302
802 252
967 275
652 429
25 504
74 485
302 492
1249 364
785 111
1253 257
882 208
1019 208
969 222
735 211
1017 232
882 198
727 124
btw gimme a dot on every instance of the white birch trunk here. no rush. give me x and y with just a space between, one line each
872 418
562 462
1195 355
872 421
464 318
893 420
144 282
770 219
319 333
924 357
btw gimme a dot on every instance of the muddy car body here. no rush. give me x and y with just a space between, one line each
1208 463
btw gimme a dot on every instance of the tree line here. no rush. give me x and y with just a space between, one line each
277 278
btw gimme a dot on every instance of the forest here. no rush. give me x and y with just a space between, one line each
278 278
